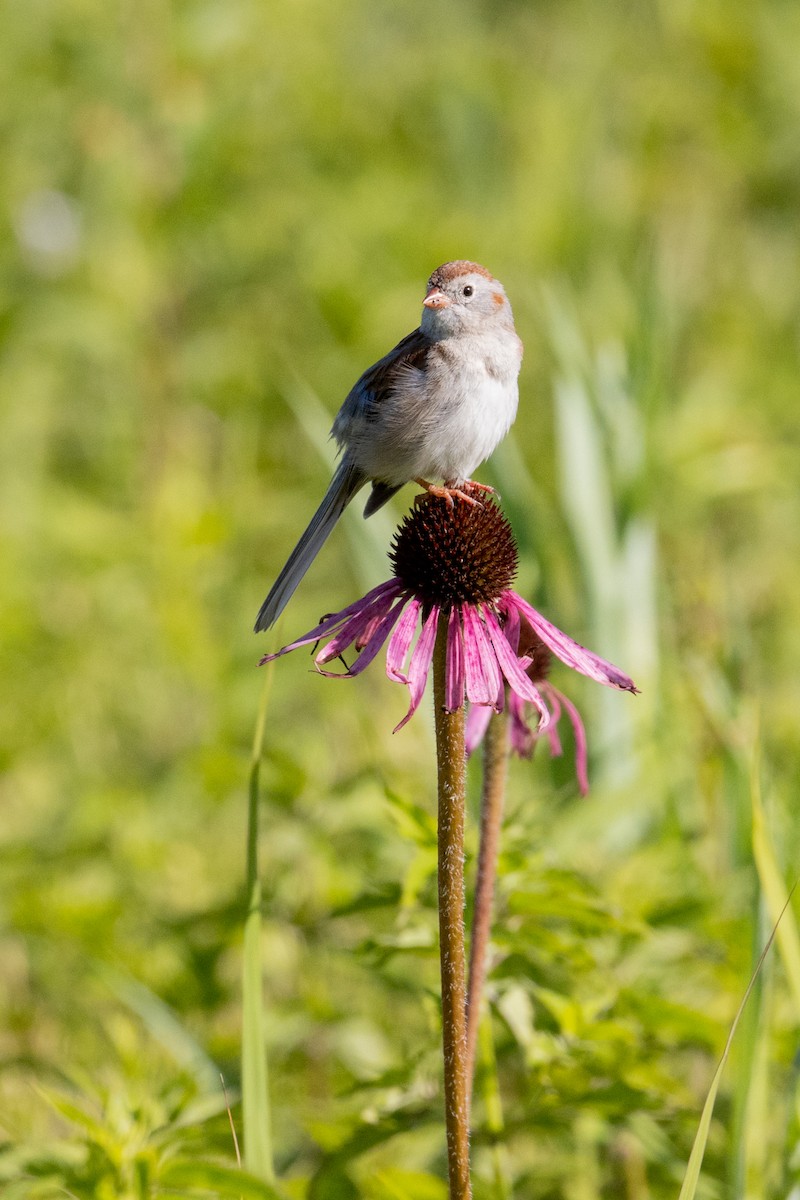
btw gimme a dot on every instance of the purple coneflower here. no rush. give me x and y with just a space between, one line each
450 603
457 564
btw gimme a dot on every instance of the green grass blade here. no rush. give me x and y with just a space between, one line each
773 887
692 1176
256 1120
493 1102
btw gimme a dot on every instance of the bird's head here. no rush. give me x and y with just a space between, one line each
464 297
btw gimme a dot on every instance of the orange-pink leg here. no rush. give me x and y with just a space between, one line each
448 493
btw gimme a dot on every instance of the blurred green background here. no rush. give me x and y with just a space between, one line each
214 216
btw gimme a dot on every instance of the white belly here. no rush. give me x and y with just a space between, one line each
467 430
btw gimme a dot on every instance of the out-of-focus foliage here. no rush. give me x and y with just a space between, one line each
213 217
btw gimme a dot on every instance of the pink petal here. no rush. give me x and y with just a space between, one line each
510 666
555 705
511 627
365 636
353 628
400 642
480 663
420 664
569 651
454 687
580 741
389 590
378 637
476 724
522 737
500 700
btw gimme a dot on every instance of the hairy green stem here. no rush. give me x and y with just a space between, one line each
451 761
495 771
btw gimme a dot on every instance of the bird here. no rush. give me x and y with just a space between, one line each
434 407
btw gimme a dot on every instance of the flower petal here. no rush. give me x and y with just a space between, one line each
523 739
354 627
366 634
388 590
569 651
554 697
476 724
377 638
510 666
480 662
580 740
420 664
454 677
511 627
400 642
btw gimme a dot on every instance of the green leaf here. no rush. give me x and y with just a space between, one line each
73 1112
395 1184
199 1177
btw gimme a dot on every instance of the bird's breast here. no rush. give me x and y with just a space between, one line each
442 420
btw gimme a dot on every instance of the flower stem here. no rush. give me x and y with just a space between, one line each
495 770
451 761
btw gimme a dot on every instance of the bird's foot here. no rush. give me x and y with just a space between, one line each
448 493
473 485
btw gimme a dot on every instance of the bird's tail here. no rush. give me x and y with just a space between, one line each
344 485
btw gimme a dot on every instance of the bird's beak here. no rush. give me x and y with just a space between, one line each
436 299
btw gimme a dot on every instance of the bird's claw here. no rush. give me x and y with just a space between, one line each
481 487
450 494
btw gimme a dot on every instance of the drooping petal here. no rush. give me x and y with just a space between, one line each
523 739
400 642
377 638
366 634
354 627
500 698
480 662
388 591
476 724
454 675
511 627
580 740
569 651
420 664
552 731
510 666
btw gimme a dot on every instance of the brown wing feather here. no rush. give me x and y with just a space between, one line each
380 380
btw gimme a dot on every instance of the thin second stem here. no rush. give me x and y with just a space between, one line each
495 770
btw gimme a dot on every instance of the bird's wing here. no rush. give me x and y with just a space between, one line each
379 381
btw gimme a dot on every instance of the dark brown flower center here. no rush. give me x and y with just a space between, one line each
449 556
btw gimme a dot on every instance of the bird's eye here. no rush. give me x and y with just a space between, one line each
468 290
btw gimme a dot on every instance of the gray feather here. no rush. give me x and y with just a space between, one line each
344 485
381 492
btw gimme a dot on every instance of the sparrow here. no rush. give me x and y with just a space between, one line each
434 407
